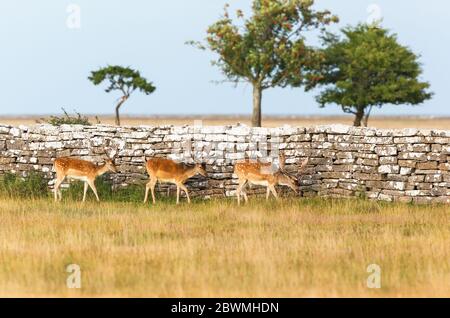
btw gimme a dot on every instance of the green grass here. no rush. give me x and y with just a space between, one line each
35 186
131 193
32 186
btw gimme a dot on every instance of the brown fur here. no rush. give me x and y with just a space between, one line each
81 169
168 171
262 174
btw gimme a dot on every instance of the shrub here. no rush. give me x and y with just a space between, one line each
32 186
68 119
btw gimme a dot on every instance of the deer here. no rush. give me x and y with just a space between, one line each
77 169
262 174
169 171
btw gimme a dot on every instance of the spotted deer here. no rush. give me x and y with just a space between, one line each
262 174
169 171
82 170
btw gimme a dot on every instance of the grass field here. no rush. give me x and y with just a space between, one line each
390 122
294 248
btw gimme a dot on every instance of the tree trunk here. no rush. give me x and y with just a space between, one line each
117 115
359 115
257 98
365 121
366 117
122 100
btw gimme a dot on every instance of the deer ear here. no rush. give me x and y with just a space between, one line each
105 155
112 153
304 164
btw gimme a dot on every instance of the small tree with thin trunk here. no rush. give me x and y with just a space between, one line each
122 79
368 68
269 48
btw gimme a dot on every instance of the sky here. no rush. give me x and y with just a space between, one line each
50 47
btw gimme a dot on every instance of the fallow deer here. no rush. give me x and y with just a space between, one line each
168 171
80 170
262 174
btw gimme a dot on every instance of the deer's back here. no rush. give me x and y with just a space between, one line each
255 170
164 168
74 166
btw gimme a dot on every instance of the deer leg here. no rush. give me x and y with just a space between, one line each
244 191
239 190
56 188
94 189
267 194
183 187
238 193
152 189
178 194
274 191
147 189
85 191
150 186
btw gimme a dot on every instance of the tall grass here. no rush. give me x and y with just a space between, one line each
32 186
35 186
292 248
106 192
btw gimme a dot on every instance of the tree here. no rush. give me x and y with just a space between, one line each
269 48
368 68
124 80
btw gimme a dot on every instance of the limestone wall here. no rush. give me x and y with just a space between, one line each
405 165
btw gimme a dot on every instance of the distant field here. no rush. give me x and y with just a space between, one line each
295 248
380 122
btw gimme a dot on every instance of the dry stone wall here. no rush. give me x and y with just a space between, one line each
407 165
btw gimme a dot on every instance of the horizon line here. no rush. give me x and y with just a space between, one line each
137 115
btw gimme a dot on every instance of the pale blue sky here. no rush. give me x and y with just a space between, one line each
44 64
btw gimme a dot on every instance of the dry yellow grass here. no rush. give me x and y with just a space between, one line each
269 121
295 248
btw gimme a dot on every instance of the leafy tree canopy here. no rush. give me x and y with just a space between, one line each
267 49
367 68
123 79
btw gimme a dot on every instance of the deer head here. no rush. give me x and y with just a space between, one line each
109 163
200 168
302 167
110 160
288 179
